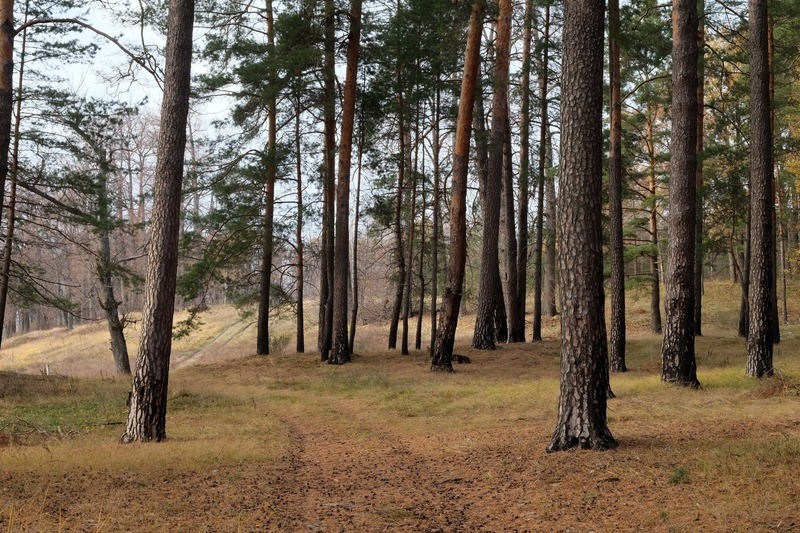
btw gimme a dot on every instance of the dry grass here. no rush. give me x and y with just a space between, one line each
289 443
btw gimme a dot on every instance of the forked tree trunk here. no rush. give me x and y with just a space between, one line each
584 353
617 259
537 261
762 286
265 278
442 352
484 336
340 348
677 352
148 400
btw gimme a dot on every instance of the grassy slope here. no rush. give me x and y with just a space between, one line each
287 443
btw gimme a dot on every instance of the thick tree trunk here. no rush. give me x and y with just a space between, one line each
265 278
762 193
329 183
484 336
6 88
678 359
584 353
776 323
148 400
340 348
617 259
537 261
524 164
698 237
442 352
300 345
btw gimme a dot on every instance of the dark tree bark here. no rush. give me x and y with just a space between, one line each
762 286
584 353
329 184
537 261
617 344
301 343
776 323
6 88
398 226
442 352
436 217
678 359
516 322
148 400
340 350
524 163
420 263
655 282
484 336
271 160
699 251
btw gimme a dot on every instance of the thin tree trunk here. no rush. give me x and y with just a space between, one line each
436 217
655 283
442 352
484 336
762 194
410 260
524 163
329 183
398 228
776 323
148 400
744 307
6 17
678 359
301 343
516 322
549 274
584 354
537 266
698 237
420 268
354 309
617 259
265 279
340 348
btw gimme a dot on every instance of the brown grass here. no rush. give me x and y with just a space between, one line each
288 443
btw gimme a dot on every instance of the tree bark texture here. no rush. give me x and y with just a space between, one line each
584 353
340 350
329 183
524 163
617 344
515 321
442 352
760 336
699 249
148 400
537 261
484 336
678 358
300 345
6 89
265 278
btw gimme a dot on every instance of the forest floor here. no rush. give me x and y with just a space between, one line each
291 444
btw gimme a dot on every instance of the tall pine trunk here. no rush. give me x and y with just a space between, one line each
698 258
148 399
340 348
300 345
584 354
655 256
436 217
677 352
516 322
537 261
524 163
442 351
617 259
484 336
762 193
354 309
262 338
